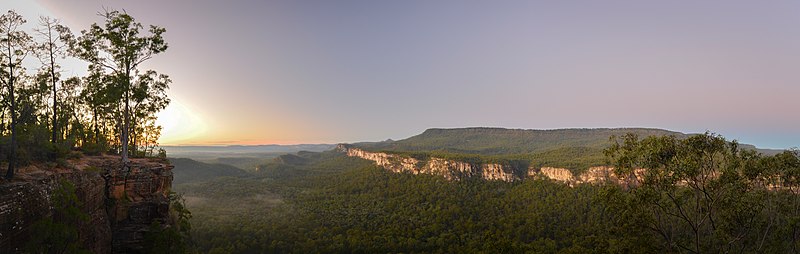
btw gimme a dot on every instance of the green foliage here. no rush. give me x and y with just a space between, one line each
180 214
166 240
174 238
97 146
497 141
327 202
188 171
115 50
59 233
312 164
341 204
704 194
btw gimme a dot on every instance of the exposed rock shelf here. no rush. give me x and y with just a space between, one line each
121 203
457 170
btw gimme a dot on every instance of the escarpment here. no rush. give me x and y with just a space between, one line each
120 203
449 169
458 170
391 162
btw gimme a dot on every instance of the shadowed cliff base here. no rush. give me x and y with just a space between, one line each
118 205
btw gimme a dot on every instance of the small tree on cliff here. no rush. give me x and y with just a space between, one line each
118 48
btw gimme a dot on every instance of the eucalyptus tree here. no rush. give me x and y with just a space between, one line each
55 40
694 193
14 48
99 96
119 46
148 97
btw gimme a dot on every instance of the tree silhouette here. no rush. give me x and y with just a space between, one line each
14 47
119 48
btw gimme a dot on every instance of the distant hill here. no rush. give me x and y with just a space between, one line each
291 159
244 162
576 149
304 163
189 171
498 141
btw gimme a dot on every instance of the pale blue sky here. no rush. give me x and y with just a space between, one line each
343 71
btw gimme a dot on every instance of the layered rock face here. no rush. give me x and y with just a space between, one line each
24 203
140 197
391 162
498 172
120 204
558 174
449 169
457 170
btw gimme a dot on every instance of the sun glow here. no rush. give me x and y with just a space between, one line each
179 124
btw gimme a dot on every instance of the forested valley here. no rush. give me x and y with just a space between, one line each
701 194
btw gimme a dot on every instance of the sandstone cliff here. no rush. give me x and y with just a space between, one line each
457 170
121 204
449 169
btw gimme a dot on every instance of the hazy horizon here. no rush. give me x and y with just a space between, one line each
304 72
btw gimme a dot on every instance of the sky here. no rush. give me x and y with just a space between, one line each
290 72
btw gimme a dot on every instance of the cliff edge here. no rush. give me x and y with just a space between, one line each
457 170
121 203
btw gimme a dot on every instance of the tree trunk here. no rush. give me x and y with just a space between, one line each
125 129
55 98
12 158
135 140
96 128
3 122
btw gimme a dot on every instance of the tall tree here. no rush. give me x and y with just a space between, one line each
14 47
119 47
55 43
148 98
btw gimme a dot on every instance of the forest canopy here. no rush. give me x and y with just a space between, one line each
703 194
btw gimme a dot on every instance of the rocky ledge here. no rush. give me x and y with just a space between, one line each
121 203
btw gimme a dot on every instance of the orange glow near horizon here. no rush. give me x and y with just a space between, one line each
298 75
180 124
245 143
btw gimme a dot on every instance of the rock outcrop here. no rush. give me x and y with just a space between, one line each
120 203
457 170
449 169
498 172
557 174
391 162
140 197
23 203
